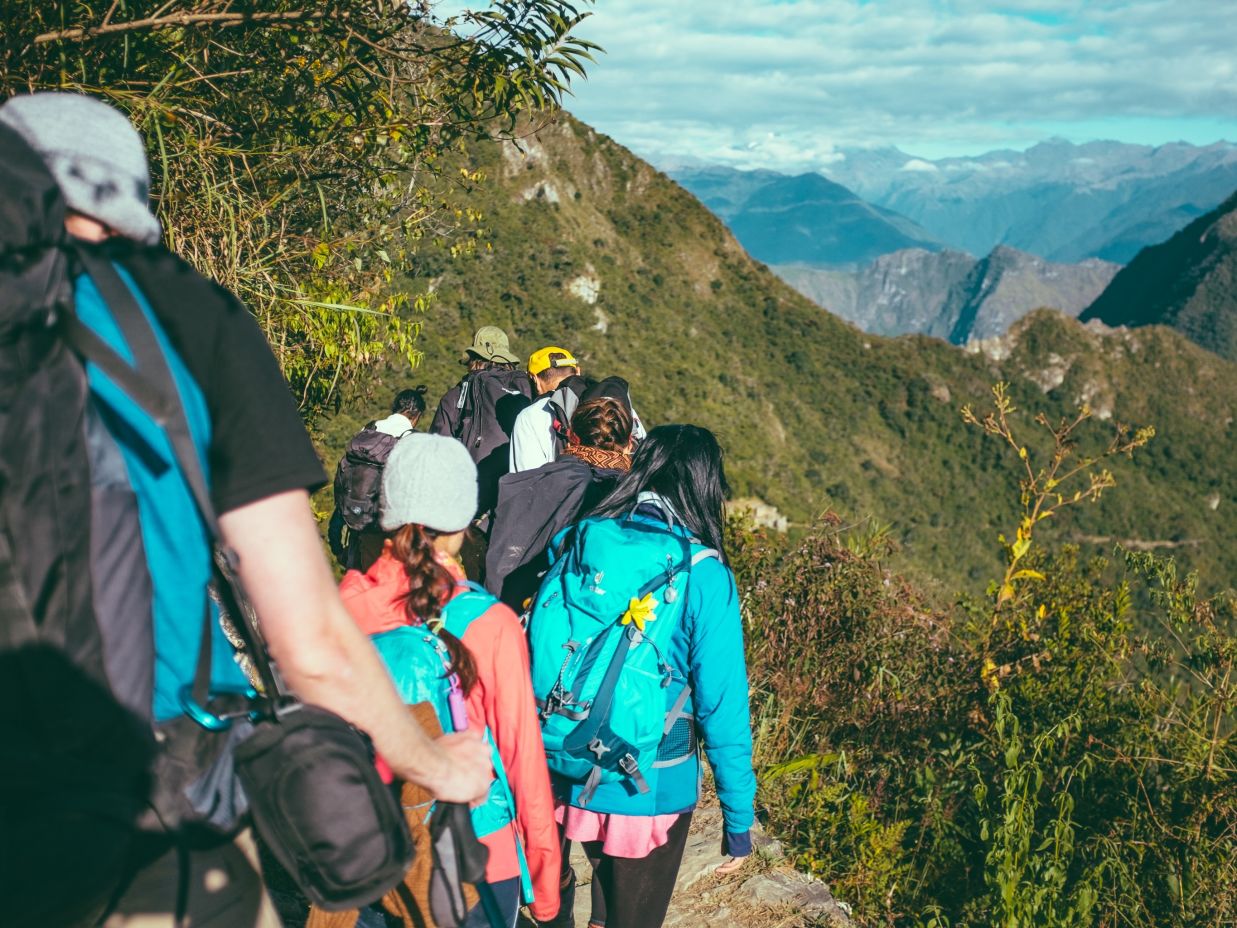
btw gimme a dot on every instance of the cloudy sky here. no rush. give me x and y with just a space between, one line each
782 83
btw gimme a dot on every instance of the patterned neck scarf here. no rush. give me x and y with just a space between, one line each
599 457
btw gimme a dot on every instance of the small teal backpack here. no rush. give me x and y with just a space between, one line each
417 660
599 638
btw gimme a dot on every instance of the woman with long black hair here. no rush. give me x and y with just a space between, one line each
634 830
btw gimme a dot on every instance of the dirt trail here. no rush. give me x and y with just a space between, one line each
765 893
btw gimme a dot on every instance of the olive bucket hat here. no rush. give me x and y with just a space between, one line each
490 343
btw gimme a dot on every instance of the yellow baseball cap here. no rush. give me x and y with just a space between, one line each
550 357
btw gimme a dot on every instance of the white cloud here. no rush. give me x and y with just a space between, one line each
786 84
918 164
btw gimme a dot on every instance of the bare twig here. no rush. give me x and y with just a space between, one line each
172 20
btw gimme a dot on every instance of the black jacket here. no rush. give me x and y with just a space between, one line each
533 507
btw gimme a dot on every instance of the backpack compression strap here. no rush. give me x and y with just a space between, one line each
560 425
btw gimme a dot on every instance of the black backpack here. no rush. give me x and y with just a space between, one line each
77 748
87 784
358 480
489 402
562 406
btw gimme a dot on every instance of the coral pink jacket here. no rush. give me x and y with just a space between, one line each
503 699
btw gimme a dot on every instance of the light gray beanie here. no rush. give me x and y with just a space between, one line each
429 480
95 154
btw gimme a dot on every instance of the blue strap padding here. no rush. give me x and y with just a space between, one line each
466 607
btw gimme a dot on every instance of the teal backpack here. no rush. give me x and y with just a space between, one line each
599 639
417 660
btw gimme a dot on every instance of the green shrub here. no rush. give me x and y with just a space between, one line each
1056 753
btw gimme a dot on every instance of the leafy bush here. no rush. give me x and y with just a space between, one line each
1056 753
298 146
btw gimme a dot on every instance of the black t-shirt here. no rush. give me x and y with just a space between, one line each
259 446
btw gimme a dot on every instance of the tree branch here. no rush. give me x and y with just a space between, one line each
81 33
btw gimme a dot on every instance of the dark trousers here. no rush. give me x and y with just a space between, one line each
628 892
507 895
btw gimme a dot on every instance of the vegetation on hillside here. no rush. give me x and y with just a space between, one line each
1058 752
1188 282
585 245
300 147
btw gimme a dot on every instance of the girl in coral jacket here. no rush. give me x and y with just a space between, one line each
429 497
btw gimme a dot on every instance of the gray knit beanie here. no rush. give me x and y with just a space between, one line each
429 480
95 154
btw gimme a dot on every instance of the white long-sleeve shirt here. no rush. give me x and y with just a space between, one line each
532 437
395 424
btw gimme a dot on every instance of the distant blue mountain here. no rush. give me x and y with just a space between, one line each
1058 200
806 219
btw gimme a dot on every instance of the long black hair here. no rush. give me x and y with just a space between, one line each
683 465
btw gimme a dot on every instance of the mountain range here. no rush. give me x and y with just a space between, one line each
1188 282
589 247
806 218
1057 200
949 294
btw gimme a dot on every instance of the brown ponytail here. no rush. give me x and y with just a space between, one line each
429 588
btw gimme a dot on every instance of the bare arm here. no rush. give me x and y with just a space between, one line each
326 659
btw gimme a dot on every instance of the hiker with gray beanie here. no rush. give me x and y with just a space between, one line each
259 466
429 497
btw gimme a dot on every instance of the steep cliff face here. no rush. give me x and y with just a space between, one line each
896 294
1007 284
1188 282
587 246
949 294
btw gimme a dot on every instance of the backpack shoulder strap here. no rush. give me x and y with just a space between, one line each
704 554
149 383
469 604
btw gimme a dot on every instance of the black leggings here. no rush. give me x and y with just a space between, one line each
631 892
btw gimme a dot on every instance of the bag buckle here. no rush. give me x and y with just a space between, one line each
213 721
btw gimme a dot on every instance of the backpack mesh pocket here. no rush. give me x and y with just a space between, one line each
679 743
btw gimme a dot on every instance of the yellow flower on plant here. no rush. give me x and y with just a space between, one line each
640 611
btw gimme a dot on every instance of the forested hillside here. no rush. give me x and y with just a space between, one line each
585 245
1188 282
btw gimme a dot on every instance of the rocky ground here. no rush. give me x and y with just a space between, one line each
765 893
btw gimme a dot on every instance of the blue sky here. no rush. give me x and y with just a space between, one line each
784 83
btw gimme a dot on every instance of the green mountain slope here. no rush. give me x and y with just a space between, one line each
1188 282
591 248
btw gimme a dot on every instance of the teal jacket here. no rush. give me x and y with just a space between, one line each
707 651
